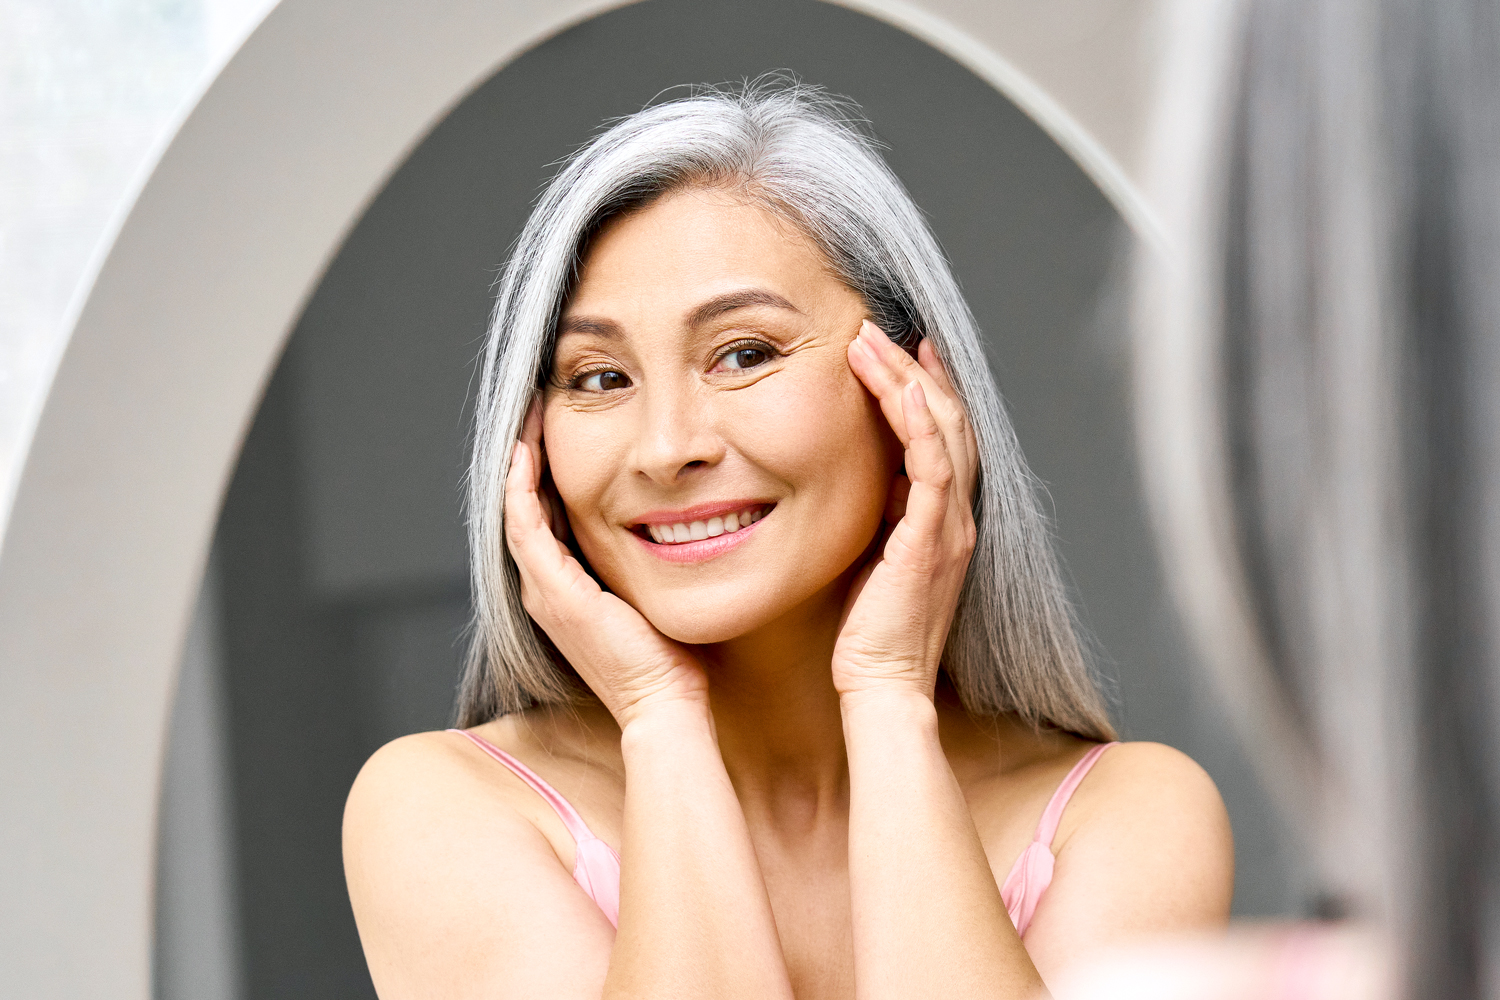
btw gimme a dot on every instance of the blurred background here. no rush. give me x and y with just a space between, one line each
331 615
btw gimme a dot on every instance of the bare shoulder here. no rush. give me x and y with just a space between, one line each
1144 848
427 778
1145 783
451 878
425 797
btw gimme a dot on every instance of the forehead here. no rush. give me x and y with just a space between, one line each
689 246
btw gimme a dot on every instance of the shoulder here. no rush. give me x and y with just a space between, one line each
452 879
428 788
1151 789
1143 849
1149 823
422 765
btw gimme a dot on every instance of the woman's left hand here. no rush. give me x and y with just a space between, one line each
902 602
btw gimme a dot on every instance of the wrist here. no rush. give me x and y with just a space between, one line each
672 719
892 707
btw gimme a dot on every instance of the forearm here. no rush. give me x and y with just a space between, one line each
695 919
928 918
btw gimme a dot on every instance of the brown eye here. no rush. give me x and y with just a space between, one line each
746 357
603 381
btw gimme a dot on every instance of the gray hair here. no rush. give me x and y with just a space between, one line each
1318 400
803 155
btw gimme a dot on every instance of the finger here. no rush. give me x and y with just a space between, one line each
552 506
895 501
531 428
541 558
553 512
928 358
932 365
887 376
928 466
881 379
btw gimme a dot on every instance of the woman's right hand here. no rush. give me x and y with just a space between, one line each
625 661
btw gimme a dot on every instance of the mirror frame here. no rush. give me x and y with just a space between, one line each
188 308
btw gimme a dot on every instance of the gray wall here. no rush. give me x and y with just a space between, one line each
343 588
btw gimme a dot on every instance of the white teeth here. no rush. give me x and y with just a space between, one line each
670 534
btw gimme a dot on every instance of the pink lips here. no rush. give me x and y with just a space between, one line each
703 549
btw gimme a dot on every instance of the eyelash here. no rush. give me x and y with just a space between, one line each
747 345
577 381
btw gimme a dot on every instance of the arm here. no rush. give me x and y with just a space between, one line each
1145 845
928 918
695 918
458 894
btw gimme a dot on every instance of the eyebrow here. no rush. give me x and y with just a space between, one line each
712 309
588 324
730 301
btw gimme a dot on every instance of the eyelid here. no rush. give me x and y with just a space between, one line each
745 343
575 381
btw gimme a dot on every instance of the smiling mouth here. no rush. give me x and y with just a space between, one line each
681 532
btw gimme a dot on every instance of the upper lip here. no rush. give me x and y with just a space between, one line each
698 512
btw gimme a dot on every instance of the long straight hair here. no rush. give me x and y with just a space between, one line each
1318 393
805 156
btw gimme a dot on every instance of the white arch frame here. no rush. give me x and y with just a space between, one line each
229 234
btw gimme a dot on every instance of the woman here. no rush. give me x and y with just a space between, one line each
1317 375
775 688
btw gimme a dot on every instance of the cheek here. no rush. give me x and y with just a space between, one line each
823 434
581 459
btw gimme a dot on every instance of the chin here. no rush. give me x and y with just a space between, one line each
702 626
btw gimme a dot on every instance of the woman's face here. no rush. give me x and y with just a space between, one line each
719 462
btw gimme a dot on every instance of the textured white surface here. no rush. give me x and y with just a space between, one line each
104 547
89 89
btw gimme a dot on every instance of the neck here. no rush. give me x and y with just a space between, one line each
777 715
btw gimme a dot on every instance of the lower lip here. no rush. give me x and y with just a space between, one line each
701 550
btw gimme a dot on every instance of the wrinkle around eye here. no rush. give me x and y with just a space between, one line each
733 379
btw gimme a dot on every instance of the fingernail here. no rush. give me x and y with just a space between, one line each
872 330
917 395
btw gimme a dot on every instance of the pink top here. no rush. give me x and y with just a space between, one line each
1032 873
597 868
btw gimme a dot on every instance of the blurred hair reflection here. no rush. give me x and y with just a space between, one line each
1318 376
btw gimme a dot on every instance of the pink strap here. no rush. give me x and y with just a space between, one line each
596 866
562 806
1032 872
1052 815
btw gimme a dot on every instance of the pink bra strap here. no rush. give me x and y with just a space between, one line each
1052 815
564 809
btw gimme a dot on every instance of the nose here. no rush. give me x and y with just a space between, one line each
677 434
